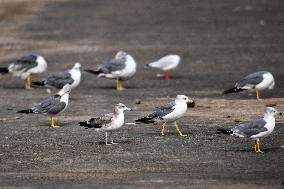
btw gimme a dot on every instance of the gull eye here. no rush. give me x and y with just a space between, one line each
123 106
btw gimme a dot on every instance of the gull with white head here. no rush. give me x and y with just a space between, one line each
257 81
108 122
254 129
122 67
26 66
60 79
51 105
169 113
165 64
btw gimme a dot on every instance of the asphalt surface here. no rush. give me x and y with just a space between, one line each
219 42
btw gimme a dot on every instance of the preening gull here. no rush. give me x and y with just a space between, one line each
25 66
122 67
60 79
254 129
166 63
108 122
52 105
256 81
169 113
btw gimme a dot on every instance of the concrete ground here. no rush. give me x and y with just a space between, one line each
219 42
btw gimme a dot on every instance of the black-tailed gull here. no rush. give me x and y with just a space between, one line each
122 67
256 81
166 63
169 113
52 105
254 129
25 66
108 122
60 79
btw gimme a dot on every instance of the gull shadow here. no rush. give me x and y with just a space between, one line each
250 150
119 142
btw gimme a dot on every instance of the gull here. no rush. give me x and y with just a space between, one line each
169 113
166 63
108 122
25 66
254 129
51 105
122 67
60 79
256 81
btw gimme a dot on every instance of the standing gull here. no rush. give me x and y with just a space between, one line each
254 129
256 81
25 66
108 122
121 68
169 113
166 63
52 105
60 79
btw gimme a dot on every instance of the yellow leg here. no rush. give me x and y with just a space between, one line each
119 86
177 128
254 147
257 95
28 83
163 128
258 147
52 122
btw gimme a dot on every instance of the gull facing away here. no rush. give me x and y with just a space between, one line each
52 105
169 113
166 63
60 79
122 67
256 81
108 122
254 129
25 66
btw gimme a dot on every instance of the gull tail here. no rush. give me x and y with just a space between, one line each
96 72
4 70
28 111
233 90
224 131
38 83
145 120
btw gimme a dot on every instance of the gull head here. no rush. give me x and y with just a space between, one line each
65 90
186 100
272 111
122 107
120 54
77 66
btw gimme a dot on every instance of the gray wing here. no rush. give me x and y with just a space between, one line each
251 80
25 63
250 128
113 65
101 122
50 105
59 80
162 111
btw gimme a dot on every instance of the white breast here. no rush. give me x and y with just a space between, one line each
179 111
76 76
269 125
129 70
65 99
267 83
116 123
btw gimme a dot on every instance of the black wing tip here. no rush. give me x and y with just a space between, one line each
25 111
232 90
38 83
96 72
4 70
224 131
144 120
